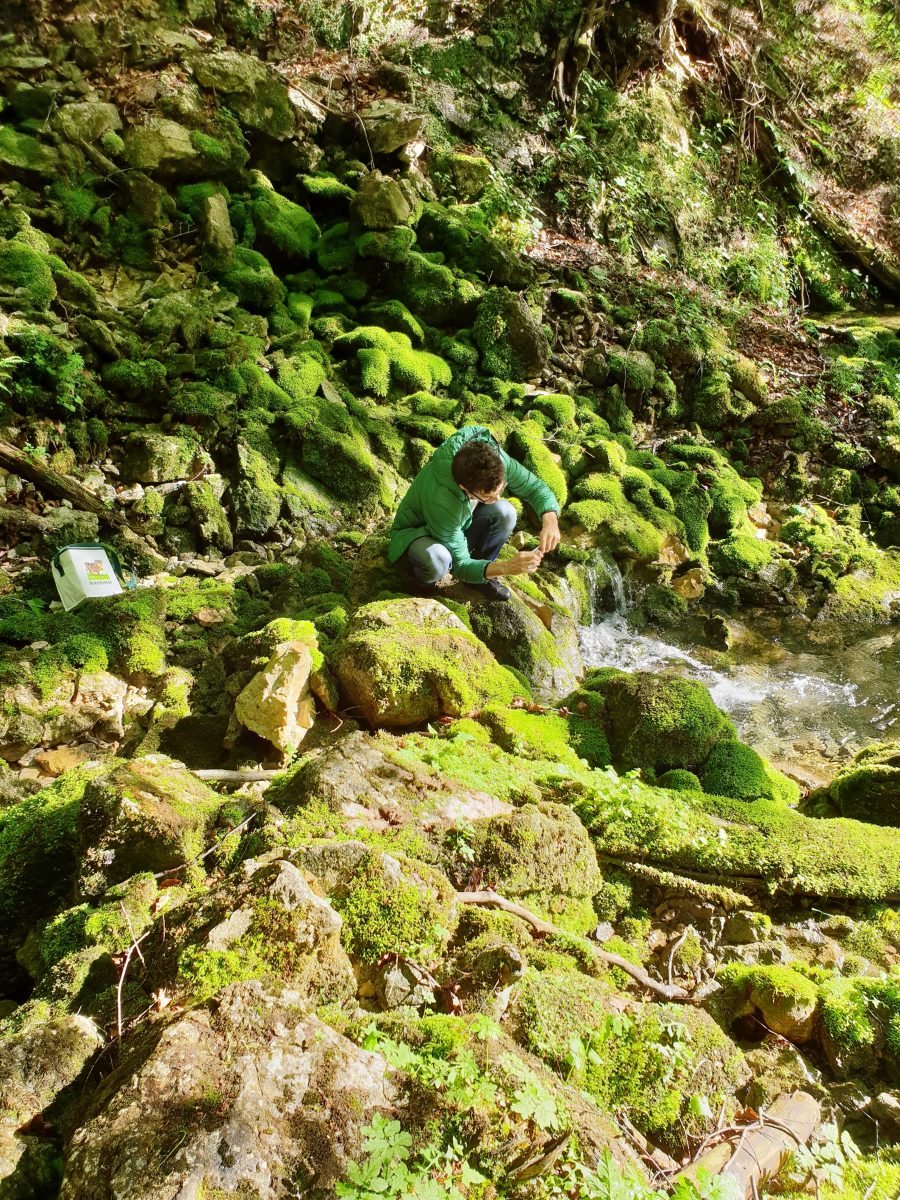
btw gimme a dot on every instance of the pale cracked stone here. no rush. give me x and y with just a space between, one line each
277 703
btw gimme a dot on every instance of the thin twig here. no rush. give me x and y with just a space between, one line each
204 853
131 949
131 929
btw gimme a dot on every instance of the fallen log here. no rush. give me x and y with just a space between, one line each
64 487
215 775
753 1153
539 925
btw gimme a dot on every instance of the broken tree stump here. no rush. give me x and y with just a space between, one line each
759 1151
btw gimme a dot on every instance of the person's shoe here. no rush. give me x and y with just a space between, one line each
492 589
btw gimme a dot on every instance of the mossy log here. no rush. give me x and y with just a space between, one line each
64 487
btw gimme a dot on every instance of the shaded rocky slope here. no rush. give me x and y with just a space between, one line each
257 261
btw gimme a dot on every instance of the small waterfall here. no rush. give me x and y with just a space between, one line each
602 574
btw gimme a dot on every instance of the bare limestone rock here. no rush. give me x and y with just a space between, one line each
277 702
244 1097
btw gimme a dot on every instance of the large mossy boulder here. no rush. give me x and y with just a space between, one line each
653 722
404 662
550 659
649 1059
869 787
161 457
542 856
95 826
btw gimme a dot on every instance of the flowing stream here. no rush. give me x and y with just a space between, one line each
806 708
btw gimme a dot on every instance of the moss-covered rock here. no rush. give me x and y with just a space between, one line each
550 661
509 336
270 926
26 277
786 1000
657 722
403 662
560 737
257 496
160 457
542 856
869 788
282 227
96 826
380 203
733 769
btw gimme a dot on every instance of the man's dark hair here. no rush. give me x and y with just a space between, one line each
478 467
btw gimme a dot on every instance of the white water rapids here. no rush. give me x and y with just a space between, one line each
796 703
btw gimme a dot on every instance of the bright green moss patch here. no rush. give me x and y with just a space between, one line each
529 447
740 554
733 769
25 273
251 278
388 360
384 915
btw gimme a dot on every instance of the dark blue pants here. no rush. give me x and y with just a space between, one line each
491 528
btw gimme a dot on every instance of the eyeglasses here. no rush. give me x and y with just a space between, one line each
490 499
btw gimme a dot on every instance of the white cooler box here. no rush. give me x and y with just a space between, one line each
87 570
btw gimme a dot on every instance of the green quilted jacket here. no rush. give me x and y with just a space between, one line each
435 506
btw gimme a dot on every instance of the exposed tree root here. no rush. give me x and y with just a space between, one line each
539 925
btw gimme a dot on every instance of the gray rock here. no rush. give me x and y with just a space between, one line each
23 156
36 1064
401 985
885 1107
160 458
390 125
742 928
218 236
380 203
163 146
359 779
595 368
262 1093
256 93
88 119
509 336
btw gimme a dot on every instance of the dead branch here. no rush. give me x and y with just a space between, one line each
638 974
214 775
64 487
209 849
135 945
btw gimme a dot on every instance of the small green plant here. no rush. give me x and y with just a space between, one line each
531 1099
826 1157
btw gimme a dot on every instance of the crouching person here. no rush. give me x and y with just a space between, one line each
453 518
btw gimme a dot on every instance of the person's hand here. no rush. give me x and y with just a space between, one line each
526 562
549 538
